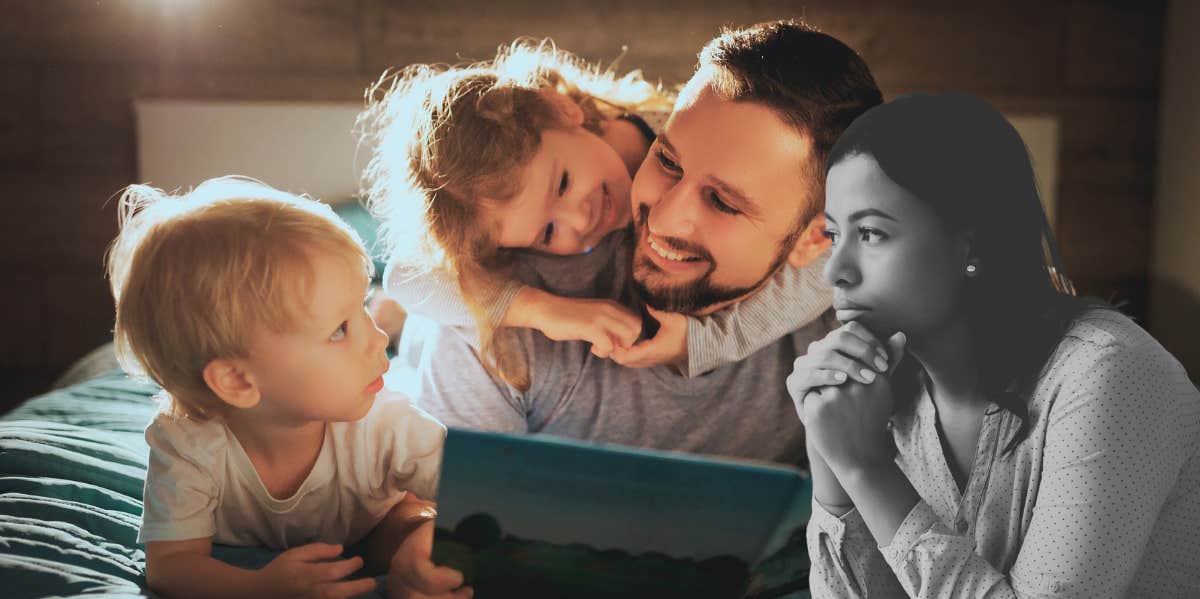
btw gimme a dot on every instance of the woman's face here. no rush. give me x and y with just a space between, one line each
574 191
894 266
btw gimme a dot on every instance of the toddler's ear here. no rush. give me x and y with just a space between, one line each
812 243
229 380
568 109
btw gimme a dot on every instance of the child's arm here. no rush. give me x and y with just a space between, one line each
187 569
436 295
791 299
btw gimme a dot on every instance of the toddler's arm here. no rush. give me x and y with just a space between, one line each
792 298
187 569
436 295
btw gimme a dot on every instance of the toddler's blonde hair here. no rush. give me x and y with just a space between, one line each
444 137
195 275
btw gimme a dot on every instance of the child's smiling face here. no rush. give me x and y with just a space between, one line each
574 191
894 266
329 367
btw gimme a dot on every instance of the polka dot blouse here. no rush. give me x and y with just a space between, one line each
1101 500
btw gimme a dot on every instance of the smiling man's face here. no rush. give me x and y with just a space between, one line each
717 202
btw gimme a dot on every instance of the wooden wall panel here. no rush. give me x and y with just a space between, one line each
71 70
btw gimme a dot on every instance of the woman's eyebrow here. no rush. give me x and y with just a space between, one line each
861 214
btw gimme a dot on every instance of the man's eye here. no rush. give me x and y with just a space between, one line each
715 200
340 333
665 162
831 235
564 183
870 235
548 235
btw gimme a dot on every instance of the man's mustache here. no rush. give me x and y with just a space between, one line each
675 243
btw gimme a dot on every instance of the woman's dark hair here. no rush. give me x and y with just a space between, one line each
958 154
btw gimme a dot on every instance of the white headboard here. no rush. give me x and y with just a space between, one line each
310 147
301 147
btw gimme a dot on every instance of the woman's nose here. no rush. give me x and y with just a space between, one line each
842 270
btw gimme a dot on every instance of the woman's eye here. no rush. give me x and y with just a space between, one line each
340 333
715 200
870 235
830 235
564 183
666 163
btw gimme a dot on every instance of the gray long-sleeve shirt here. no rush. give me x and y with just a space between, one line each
740 409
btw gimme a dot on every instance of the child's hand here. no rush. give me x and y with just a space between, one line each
413 575
668 346
605 324
306 572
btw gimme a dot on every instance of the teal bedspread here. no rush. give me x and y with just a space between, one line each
72 464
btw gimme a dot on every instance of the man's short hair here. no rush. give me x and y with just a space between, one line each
815 83
195 275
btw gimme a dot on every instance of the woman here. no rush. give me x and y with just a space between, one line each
975 430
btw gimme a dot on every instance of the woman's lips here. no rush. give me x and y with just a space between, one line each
847 311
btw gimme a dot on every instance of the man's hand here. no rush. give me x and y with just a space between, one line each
668 346
413 575
306 571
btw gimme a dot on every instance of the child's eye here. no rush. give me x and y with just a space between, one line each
564 183
666 163
870 235
715 200
340 333
831 235
548 234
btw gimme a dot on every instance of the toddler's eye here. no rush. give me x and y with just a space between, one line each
564 183
340 333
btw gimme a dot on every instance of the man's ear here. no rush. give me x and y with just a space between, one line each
811 244
231 381
568 110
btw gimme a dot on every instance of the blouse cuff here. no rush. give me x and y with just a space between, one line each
919 521
850 528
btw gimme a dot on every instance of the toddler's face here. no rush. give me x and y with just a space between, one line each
330 366
574 191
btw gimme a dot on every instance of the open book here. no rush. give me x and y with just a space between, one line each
540 516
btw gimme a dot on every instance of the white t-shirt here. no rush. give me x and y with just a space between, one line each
201 483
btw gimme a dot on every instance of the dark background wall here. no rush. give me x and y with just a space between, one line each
70 69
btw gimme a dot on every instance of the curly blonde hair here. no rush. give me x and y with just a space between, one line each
447 145
194 275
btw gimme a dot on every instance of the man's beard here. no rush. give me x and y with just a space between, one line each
695 296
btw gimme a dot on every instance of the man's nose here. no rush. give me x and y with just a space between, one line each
675 213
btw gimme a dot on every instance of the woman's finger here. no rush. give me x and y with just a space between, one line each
859 345
839 362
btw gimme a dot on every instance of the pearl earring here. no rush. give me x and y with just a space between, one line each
971 269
